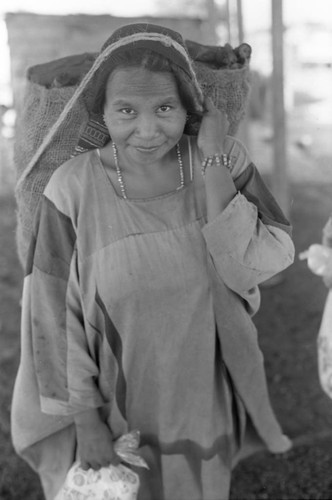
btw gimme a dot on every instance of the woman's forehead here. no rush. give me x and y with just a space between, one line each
136 82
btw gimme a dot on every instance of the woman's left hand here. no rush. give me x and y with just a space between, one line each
219 185
213 130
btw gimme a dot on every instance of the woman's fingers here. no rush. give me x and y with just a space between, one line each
115 460
213 113
85 465
213 129
208 105
96 465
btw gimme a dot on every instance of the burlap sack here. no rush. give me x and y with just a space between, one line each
38 152
41 109
228 89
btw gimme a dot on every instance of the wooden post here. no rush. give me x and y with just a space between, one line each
243 133
279 176
212 22
228 20
279 173
239 12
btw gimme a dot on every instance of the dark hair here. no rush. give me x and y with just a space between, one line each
152 61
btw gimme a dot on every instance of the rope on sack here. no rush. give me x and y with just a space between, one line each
47 139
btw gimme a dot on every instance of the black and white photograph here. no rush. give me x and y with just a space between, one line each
166 250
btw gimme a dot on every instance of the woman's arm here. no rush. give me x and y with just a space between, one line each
244 248
219 185
247 235
64 368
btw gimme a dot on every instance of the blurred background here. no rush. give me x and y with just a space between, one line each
288 132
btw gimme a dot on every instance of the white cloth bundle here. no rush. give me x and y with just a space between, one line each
108 483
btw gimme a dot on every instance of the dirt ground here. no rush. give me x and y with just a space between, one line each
288 322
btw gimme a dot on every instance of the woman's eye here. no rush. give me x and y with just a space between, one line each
127 111
165 108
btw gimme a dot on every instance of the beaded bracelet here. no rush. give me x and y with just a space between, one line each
220 160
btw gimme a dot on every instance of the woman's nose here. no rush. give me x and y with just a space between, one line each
147 126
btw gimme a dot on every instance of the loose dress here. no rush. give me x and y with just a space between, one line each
143 309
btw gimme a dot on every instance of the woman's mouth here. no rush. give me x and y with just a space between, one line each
144 149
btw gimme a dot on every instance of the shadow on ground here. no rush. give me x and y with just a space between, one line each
303 473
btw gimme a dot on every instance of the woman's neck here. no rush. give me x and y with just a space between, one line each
147 180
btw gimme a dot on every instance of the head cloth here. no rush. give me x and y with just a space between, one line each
164 41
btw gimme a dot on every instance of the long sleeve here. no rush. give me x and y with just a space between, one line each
249 241
65 370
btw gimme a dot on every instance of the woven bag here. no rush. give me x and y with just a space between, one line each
41 109
54 124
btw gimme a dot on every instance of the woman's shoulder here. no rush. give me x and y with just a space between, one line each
72 172
238 154
69 180
73 167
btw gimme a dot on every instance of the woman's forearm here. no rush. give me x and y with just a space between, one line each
220 190
87 418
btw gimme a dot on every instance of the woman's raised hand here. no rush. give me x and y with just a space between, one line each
219 185
213 129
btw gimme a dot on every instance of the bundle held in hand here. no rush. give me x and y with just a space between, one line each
110 483
54 122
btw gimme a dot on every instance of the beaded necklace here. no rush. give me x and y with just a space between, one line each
120 176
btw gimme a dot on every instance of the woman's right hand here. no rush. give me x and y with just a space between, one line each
94 441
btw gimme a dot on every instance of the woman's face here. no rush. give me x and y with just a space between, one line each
143 113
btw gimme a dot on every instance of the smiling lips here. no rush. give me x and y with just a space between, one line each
147 149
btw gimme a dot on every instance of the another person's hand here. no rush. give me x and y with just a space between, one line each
327 280
213 130
95 441
319 258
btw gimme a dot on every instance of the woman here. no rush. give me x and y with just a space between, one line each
141 283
